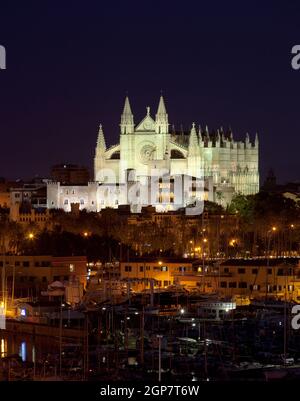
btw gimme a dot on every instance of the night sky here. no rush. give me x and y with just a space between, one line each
218 63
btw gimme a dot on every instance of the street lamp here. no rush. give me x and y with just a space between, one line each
269 232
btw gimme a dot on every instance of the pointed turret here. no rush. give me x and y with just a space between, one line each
207 136
99 159
193 159
161 118
127 123
101 145
193 139
201 141
256 140
217 139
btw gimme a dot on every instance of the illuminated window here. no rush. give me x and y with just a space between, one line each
164 268
71 268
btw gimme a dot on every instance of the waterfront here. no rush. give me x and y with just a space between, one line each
129 343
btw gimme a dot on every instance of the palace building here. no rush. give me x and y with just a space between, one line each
155 165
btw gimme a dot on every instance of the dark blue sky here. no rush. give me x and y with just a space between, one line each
69 65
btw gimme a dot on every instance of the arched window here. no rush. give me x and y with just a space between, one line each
176 154
115 155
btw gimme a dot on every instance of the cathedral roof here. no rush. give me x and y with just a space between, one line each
147 123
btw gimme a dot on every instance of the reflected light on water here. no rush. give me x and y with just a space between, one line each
3 347
33 354
22 352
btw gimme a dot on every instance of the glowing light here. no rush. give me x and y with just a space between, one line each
22 352
204 239
30 235
274 228
85 234
3 343
33 354
182 311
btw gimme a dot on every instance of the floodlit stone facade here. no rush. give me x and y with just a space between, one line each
154 165
151 146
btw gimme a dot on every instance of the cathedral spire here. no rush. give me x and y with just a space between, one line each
161 107
193 140
127 124
127 108
101 145
256 139
161 118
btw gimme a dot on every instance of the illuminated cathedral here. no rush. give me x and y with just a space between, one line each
151 148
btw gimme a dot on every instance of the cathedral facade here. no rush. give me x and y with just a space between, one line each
151 145
154 164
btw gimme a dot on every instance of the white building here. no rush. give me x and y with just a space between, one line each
150 161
